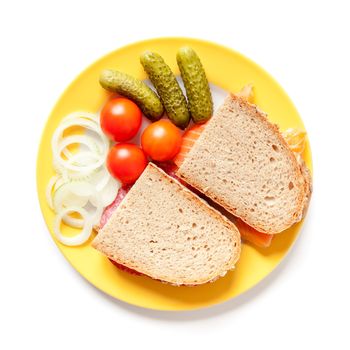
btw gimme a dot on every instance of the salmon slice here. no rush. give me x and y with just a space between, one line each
255 237
188 140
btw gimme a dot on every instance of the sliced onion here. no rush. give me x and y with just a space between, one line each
108 193
79 223
83 184
96 217
74 222
95 213
82 189
55 182
83 158
68 123
60 181
60 170
50 186
100 179
81 237
80 114
64 197
78 194
87 124
84 139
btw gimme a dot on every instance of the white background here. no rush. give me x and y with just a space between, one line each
45 304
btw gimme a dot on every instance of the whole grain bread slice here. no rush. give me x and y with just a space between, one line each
242 162
163 230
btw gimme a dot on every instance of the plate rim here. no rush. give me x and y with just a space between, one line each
42 202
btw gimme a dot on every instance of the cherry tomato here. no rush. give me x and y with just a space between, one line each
161 140
120 119
126 162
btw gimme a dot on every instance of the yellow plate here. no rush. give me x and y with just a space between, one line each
230 71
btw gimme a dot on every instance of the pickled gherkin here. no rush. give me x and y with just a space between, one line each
167 87
135 89
199 98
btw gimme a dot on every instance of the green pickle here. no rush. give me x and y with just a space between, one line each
167 87
135 89
196 84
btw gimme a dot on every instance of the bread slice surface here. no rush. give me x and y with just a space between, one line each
165 231
242 162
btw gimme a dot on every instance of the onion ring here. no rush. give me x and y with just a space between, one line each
83 139
49 189
81 114
83 183
81 237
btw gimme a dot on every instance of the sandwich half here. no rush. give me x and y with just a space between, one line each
163 230
242 162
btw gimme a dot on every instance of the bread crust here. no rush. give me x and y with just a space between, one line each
303 176
308 185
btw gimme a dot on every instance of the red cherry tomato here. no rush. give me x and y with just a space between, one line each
126 162
161 140
120 119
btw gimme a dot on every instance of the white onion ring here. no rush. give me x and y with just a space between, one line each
80 114
49 189
101 174
61 194
110 191
60 181
81 237
83 175
99 209
60 170
83 192
101 181
87 124
94 217
75 158
83 139
86 140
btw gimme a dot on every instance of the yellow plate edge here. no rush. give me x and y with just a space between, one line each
150 42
